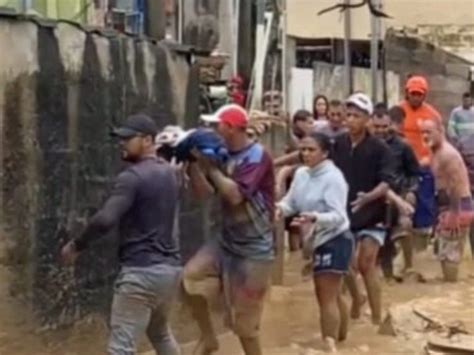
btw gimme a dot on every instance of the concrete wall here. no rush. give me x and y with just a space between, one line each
447 74
61 90
455 38
329 81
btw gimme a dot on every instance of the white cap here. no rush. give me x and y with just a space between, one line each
171 135
362 102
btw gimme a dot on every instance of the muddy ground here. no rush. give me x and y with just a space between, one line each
290 323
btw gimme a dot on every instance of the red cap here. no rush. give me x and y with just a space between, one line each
232 114
417 84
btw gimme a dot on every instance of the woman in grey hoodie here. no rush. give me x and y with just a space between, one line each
318 198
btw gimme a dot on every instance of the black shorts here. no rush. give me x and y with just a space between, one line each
335 255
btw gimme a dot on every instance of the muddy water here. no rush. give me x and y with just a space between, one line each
291 317
290 323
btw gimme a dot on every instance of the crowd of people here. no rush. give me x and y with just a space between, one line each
358 182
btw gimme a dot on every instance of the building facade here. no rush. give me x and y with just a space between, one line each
123 15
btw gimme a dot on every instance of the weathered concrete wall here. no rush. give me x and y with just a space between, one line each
61 90
447 74
329 81
455 38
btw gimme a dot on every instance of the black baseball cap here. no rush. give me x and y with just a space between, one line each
136 125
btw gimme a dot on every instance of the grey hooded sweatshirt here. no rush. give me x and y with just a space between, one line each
323 192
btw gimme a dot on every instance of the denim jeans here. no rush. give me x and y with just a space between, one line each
142 302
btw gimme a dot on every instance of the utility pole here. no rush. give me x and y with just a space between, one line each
376 26
347 50
284 57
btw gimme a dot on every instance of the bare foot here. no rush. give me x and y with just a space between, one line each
206 346
356 308
376 321
329 345
342 336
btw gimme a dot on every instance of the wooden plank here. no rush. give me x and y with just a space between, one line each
460 344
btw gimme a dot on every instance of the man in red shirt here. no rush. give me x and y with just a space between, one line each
237 264
417 111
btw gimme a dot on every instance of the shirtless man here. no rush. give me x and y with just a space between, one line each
454 198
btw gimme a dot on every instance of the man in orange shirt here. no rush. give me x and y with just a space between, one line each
417 110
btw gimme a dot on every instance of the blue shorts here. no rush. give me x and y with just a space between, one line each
335 255
425 211
376 233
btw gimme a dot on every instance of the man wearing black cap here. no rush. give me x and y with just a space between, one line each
142 205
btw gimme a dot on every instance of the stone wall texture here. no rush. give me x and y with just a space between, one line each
61 91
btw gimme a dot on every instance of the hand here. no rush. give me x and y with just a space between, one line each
405 208
308 217
69 253
205 164
303 219
361 200
411 198
278 214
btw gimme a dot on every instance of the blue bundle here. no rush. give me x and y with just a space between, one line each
207 142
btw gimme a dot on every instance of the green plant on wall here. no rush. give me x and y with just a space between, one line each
74 10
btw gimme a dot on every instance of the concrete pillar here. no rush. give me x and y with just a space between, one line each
155 19
246 40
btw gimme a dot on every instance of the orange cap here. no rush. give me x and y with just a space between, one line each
417 84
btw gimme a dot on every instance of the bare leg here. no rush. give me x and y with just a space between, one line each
356 295
200 284
251 346
344 311
294 238
407 248
350 282
450 271
368 268
200 312
387 253
328 288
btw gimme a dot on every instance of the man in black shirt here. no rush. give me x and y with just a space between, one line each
366 164
142 205
405 184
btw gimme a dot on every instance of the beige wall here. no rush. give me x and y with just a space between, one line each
303 20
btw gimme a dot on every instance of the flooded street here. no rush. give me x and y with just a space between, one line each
291 317
290 323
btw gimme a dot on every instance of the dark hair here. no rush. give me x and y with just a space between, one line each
335 103
323 141
380 109
397 114
466 95
301 115
316 98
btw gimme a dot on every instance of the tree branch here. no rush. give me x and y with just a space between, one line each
342 7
